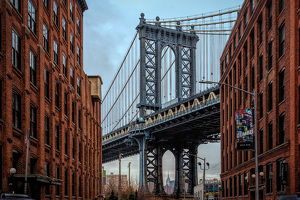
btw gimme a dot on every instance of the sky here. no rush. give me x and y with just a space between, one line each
109 27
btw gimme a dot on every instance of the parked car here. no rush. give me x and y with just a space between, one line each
288 197
15 196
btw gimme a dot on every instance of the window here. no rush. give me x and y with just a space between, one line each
79 185
78 86
79 118
65 65
64 32
55 52
16 109
1 93
240 64
261 108
281 172
71 43
78 25
47 173
270 16
73 184
240 184
246 183
66 103
281 128
47 167
66 142
234 41
239 31
56 94
270 129
281 40
270 55
46 3
281 85
73 147
45 37
72 76
270 90
16 4
47 135
31 17
78 55
269 178
261 141
252 5
261 28
66 181
32 68
252 78
16 50
246 86
281 6
79 151
261 67
33 125
73 111
57 137
252 43
71 11
46 81
245 18
55 11
246 55
57 176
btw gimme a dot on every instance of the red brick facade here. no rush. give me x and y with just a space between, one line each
263 58
64 121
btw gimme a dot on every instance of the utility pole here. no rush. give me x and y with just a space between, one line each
120 178
129 174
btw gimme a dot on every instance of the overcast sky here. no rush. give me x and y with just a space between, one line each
109 27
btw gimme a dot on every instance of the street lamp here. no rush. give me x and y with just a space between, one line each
204 168
255 129
199 163
120 179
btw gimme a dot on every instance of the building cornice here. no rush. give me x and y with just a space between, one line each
82 5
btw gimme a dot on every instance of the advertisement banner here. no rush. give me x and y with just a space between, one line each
244 130
104 177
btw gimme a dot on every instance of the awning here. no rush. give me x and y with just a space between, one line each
37 178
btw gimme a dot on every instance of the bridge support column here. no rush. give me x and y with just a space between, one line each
186 169
154 168
178 189
142 141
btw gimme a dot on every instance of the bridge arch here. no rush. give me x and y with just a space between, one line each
168 166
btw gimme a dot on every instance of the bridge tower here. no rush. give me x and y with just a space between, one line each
153 39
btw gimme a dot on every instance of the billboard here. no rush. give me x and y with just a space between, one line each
244 130
104 176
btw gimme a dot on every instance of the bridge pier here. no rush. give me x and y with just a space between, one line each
141 139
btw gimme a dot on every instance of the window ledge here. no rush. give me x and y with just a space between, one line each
281 102
33 87
17 72
281 56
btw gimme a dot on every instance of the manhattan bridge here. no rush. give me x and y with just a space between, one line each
155 102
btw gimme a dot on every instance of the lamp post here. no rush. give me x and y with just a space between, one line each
120 178
129 174
199 163
255 129
204 168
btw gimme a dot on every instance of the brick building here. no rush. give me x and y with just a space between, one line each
112 183
44 89
262 55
